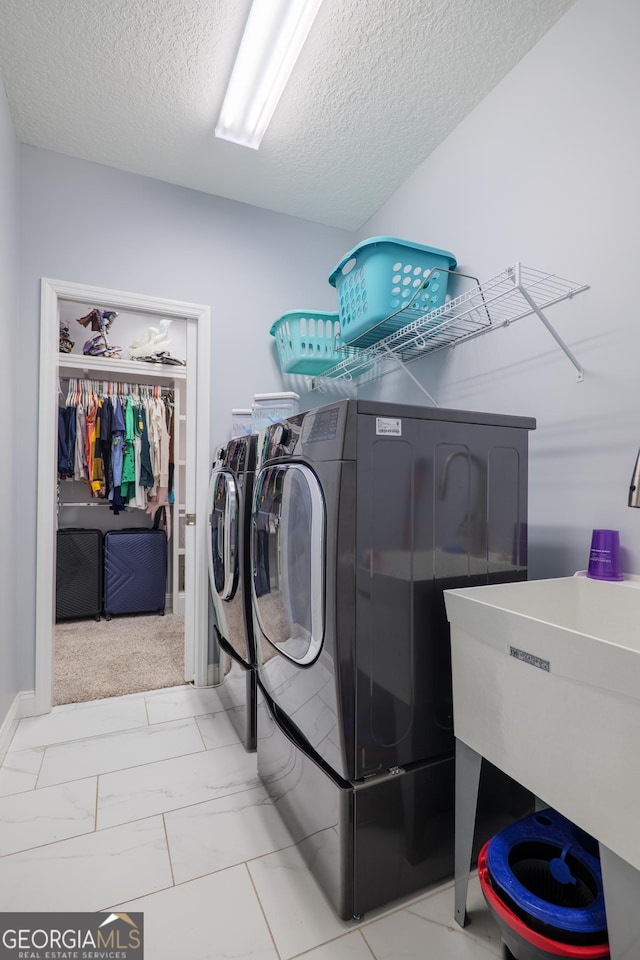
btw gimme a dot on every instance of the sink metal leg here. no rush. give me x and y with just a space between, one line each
468 764
621 884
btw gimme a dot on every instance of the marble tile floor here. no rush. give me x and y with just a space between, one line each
149 803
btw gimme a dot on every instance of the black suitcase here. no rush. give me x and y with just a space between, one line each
79 565
135 571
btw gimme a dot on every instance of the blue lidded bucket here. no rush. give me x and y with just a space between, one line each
548 873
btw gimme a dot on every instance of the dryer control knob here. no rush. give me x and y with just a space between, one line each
281 435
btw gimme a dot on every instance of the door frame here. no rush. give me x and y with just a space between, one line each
198 317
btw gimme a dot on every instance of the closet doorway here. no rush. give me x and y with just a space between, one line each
188 386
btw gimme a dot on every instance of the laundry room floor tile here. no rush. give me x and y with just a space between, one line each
117 751
19 770
90 872
217 730
404 934
352 946
214 835
177 782
214 917
45 816
439 908
176 703
169 810
97 718
299 915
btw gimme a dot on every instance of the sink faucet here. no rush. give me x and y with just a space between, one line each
634 489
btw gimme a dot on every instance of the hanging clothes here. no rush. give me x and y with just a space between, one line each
159 493
139 497
128 485
154 442
65 465
146 468
90 432
103 446
80 456
161 442
170 408
117 455
97 471
67 437
118 441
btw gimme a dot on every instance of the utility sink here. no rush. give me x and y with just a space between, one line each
546 685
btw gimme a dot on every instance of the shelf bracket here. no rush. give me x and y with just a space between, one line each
538 312
403 366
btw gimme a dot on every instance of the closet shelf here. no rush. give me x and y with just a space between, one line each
73 365
517 292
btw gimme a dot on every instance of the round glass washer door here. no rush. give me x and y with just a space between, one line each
287 560
223 547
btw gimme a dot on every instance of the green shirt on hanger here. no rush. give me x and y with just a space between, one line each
128 486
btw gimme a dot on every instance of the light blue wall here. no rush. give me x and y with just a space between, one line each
9 183
545 171
92 224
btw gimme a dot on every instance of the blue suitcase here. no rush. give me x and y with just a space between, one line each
135 572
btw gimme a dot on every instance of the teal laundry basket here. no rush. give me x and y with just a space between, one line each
382 275
308 341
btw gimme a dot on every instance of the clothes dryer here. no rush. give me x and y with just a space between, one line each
363 514
230 493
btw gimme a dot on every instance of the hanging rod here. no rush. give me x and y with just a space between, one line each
85 503
118 388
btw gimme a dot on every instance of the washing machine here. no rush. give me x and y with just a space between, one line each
363 513
230 492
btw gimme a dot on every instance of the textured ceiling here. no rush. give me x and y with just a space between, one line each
137 84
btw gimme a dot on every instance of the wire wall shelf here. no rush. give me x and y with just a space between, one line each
515 293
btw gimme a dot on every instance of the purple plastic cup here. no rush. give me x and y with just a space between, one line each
604 559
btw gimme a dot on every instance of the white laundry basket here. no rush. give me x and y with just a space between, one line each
241 422
270 407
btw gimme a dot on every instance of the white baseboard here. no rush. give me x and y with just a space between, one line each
8 727
24 705
27 703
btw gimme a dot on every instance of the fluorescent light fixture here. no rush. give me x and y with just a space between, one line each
273 38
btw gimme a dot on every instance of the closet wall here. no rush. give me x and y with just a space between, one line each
545 171
9 240
92 224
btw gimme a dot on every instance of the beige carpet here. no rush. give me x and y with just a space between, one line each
125 655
